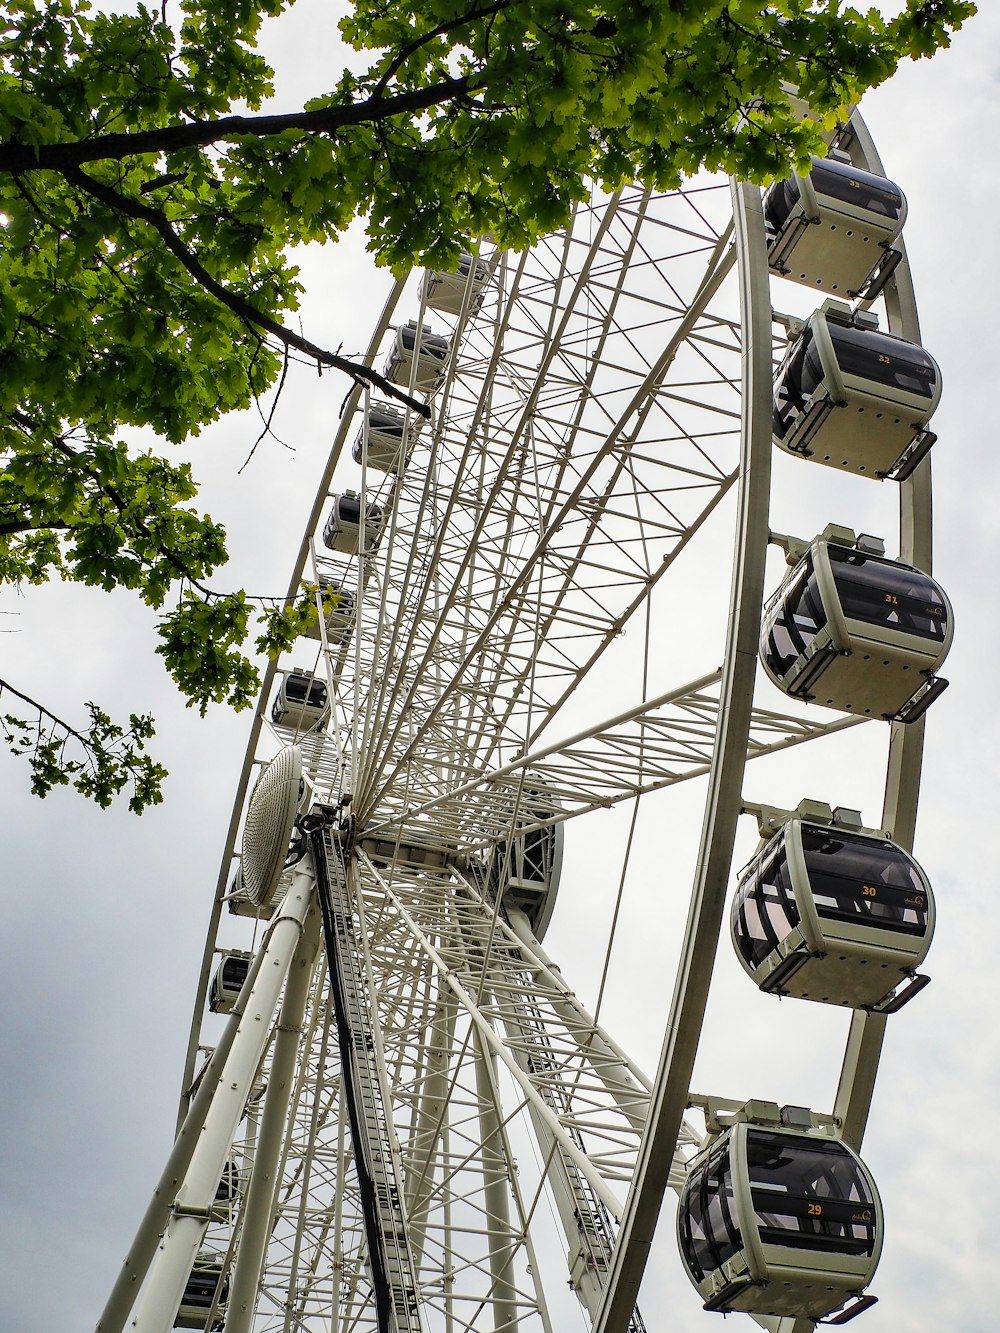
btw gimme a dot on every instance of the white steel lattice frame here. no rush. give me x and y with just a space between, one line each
590 423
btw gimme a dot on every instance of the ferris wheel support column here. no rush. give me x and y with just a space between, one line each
258 1207
143 1248
671 1087
193 1205
495 1191
430 1126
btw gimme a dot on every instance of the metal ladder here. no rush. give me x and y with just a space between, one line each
390 1258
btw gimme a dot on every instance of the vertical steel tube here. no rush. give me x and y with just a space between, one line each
496 1192
258 1206
192 1207
431 1121
140 1255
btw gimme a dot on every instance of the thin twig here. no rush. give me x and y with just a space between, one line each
270 416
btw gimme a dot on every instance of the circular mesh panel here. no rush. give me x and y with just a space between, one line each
268 828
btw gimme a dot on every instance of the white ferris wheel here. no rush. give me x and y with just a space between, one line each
397 1113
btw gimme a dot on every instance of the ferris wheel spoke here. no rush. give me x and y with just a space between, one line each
482 1023
470 431
660 743
614 577
557 451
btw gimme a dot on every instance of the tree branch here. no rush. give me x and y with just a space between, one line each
233 301
17 157
112 756
442 29
105 489
270 416
7 688
12 529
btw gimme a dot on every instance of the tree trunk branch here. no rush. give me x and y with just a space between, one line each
233 301
18 157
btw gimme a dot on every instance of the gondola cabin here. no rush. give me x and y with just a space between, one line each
418 357
850 397
447 291
342 531
775 1221
227 981
832 914
337 611
204 1291
240 903
802 111
834 228
302 702
389 439
854 631
527 867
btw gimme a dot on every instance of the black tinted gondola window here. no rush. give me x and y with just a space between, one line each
809 1194
883 593
838 180
709 1233
861 880
868 355
386 423
200 1289
234 972
764 911
296 688
337 599
349 510
813 372
229 1184
792 619
478 267
434 345
795 380
779 201
299 689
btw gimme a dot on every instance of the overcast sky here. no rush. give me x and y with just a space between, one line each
105 914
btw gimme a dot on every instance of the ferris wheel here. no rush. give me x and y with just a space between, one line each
397 1114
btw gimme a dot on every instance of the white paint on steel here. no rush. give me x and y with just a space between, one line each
193 1203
